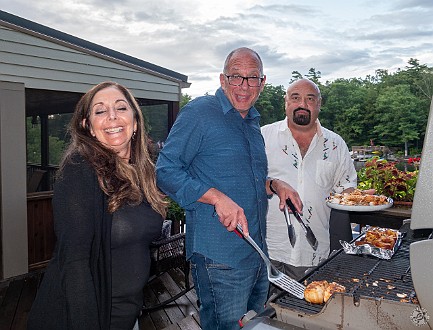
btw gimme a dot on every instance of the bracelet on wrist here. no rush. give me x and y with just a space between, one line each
272 188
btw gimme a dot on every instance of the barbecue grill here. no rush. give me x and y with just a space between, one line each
380 294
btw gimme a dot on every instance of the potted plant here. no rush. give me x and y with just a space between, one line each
388 180
176 214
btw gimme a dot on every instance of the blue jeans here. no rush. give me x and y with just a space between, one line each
225 293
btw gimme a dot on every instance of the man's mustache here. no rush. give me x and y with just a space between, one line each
300 108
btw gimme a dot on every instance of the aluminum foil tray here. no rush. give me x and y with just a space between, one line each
367 249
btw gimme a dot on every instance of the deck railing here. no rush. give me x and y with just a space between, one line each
40 228
46 180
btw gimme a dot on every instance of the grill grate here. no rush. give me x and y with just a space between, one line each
363 276
391 279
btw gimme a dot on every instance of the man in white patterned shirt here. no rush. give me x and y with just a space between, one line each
315 162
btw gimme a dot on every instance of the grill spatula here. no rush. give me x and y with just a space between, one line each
311 238
274 275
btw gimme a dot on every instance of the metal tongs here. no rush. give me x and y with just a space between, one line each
274 275
290 228
311 238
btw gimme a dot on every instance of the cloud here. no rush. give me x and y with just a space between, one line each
339 39
410 4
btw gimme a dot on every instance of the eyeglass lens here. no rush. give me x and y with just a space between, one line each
239 80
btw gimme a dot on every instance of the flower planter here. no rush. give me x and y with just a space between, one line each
388 180
389 218
402 204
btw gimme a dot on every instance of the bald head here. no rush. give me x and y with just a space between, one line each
243 50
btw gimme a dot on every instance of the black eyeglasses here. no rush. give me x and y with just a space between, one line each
237 80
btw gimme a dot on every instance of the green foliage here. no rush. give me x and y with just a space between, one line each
33 142
270 104
390 109
296 75
155 121
174 211
56 140
399 117
312 74
184 100
387 108
388 180
56 148
342 111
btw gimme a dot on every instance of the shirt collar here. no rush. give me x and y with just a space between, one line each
227 106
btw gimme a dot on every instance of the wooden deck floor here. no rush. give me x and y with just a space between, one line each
16 298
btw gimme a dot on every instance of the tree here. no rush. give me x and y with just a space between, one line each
399 116
425 84
314 75
184 100
388 108
296 75
344 109
271 104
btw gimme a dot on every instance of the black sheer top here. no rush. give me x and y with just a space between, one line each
132 230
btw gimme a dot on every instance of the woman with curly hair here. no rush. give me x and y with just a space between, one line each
107 210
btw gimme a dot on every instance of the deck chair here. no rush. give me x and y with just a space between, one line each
35 180
168 252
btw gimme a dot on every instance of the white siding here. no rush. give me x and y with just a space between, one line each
43 64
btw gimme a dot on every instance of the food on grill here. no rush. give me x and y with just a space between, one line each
382 238
315 292
318 292
331 288
358 198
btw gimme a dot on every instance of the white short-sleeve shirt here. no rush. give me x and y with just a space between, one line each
327 167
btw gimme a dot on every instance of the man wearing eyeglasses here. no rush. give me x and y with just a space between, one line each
214 165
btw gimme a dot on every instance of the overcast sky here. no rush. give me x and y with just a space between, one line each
339 38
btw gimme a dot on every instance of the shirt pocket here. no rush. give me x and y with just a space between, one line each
325 173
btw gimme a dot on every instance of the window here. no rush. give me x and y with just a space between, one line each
156 122
58 138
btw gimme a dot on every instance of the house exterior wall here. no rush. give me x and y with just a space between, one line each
31 60
44 64
13 195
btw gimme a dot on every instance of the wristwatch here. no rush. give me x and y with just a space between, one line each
272 188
